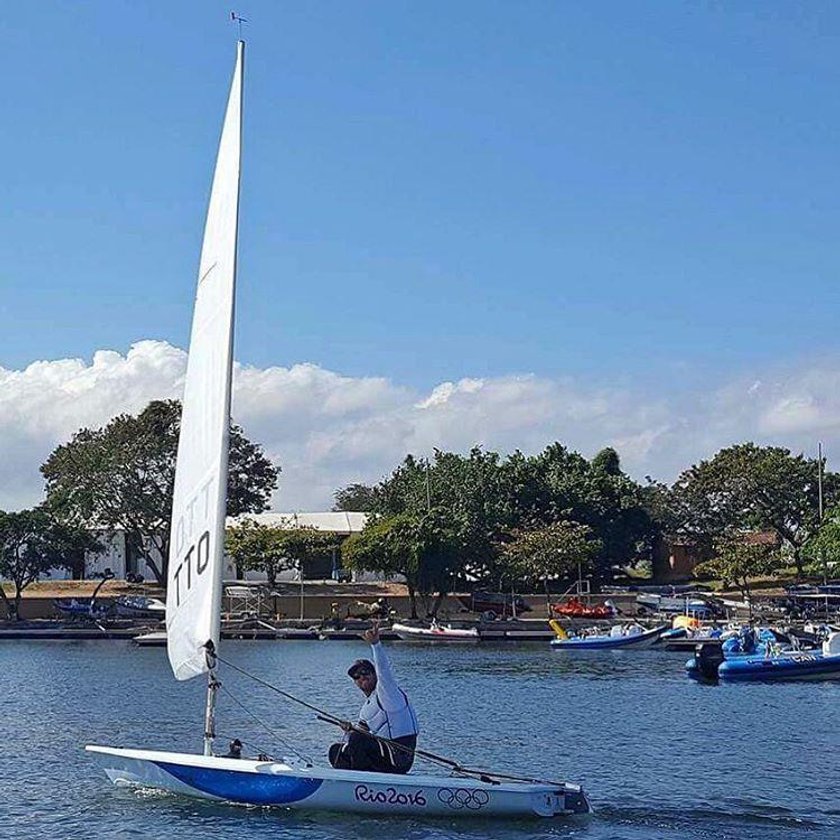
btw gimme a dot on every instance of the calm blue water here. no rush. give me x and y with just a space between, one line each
661 756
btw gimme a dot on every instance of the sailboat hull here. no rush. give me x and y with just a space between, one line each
275 783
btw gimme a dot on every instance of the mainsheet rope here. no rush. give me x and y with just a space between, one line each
327 717
280 739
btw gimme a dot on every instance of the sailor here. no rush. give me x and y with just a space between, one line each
386 713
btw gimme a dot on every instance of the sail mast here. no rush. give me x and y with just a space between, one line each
194 591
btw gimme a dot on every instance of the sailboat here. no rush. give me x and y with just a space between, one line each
195 581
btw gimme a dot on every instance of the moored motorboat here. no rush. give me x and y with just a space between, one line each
687 632
786 665
698 605
620 636
434 633
710 654
140 606
742 645
157 638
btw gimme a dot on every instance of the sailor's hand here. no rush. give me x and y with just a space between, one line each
371 635
346 725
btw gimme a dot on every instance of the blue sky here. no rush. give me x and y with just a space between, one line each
623 195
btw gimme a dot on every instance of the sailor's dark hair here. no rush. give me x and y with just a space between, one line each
359 667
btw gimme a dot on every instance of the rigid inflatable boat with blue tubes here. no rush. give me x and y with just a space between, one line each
748 643
786 666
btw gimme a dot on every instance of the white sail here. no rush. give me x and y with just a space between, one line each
193 598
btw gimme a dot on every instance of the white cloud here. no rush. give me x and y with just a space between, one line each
792 414
328 430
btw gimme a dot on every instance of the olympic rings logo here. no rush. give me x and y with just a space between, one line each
463 798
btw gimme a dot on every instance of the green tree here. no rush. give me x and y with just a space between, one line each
483 498
468 493
253 545
420 547
304 545
20 560
386 547
122 476
823 549
607 462
441 554
355 497
662 506
32 542
558 484
69 546
750 487
558 550
668 520
554 551
737 561
470 502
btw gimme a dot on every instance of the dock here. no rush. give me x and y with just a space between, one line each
531 630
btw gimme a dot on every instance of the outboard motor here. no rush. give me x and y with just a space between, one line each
708 657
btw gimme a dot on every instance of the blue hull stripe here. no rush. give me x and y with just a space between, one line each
252 788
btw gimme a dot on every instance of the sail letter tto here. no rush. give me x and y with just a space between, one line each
194 584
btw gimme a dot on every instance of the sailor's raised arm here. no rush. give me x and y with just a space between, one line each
387 690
